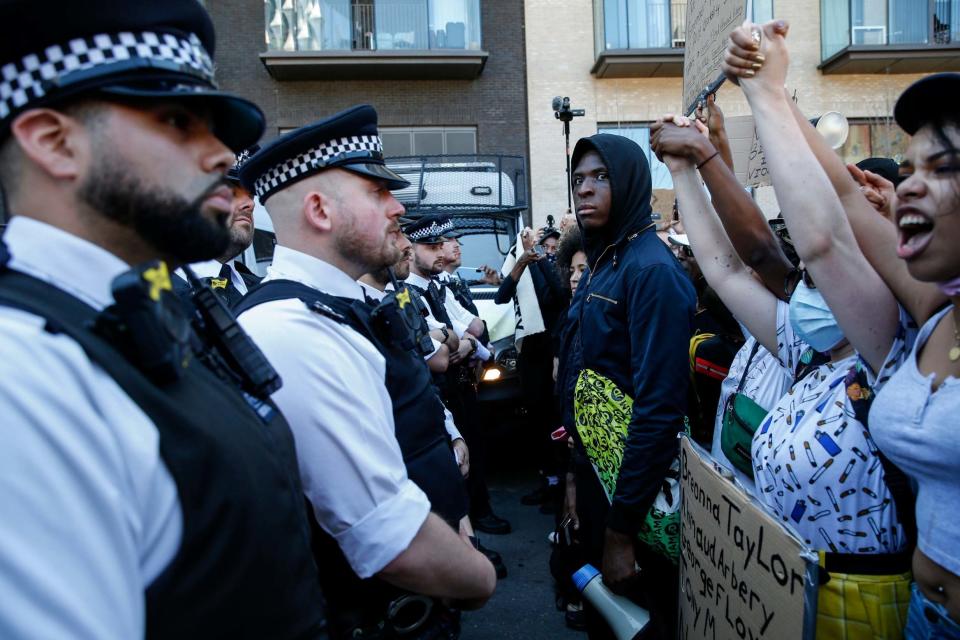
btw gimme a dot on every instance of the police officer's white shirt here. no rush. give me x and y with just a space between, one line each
377 294
452 305
89 514
456 318
335 398
211 269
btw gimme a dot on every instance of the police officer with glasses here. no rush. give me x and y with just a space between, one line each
149 486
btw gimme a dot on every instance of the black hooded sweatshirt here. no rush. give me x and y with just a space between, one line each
635 325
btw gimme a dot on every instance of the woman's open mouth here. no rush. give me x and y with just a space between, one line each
915 232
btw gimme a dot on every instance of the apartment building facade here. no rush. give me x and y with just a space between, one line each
446 76
622 61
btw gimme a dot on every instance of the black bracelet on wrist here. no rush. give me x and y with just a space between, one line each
715 154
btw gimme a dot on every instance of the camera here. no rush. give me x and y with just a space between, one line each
562 110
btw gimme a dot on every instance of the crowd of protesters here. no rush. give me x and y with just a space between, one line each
814 355
193 451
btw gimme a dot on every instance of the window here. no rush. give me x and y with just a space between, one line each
415 141
651 24
875 138
320 25
640 133
883 22
641 24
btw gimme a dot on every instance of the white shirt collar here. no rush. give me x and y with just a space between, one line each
64 260
372 292
418 281
212 268
444 276
207 269
290 264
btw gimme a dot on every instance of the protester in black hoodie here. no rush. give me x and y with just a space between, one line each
635 326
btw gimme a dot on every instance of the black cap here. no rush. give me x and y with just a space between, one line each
58 49
549 232
927 100
883 167
233 173
348 140
431 229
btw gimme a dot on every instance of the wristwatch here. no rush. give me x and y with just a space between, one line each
446 335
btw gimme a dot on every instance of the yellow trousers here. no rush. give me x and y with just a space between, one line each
860 607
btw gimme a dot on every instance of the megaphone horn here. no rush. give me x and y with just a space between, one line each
834 128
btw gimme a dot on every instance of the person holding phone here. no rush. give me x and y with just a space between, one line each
535 361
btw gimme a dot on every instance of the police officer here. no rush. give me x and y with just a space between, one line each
352 390
228 277
428 234
142 494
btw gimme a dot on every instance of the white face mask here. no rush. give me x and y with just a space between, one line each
812 319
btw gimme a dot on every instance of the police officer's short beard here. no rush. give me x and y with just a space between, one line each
169 223
240 239
381 276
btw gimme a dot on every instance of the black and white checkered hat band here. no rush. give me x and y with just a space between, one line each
433 231
317 158
36 74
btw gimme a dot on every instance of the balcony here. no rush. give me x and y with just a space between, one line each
889 36
379 39
639 38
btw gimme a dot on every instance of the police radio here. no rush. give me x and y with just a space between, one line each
146 322
256 375
399 320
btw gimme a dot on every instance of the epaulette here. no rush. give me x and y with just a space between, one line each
326 310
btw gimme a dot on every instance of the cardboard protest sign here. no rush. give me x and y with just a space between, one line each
709 23
662 203
750 165
742 575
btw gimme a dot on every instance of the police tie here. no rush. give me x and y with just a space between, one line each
223 286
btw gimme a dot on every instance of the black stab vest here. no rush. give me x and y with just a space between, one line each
433 294
244 568
419 427
417 411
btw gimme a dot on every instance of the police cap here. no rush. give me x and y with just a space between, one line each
233 173
431 229
348 140
58 49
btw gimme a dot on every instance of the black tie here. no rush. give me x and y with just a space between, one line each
223 286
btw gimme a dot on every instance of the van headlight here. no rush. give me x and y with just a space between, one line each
491 374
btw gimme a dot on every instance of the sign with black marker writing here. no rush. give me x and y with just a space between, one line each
709 23
750 165
742 575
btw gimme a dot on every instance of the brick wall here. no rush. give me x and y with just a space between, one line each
495 103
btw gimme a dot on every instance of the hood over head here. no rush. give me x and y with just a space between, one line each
630 190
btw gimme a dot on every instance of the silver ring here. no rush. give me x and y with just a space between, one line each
756 34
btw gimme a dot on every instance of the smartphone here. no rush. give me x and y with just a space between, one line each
538 249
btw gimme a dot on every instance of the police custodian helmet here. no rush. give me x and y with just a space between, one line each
54 50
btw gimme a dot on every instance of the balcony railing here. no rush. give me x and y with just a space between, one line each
344 25
878 23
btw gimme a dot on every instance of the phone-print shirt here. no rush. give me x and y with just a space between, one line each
815 464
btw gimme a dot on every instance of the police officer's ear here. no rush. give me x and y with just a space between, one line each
57 143
316 212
